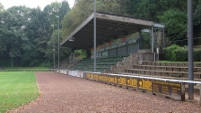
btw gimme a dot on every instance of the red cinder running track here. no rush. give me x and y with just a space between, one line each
65 94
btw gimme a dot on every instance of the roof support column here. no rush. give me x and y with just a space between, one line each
140 39
163 35
94 35
152 39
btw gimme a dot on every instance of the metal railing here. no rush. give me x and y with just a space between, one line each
182 82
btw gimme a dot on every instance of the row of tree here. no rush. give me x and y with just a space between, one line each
27 37
26 34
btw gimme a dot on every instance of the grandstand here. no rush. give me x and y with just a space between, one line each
118 38
102 64
110 53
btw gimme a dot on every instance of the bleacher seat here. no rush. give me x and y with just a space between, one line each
101 64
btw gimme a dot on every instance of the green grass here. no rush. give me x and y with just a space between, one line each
17 89
25 69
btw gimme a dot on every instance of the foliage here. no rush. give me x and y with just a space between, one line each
197 14
25 34
81 54
172 13
83 8
177 53
27 38
145 41
169 52
17 89
197 54
1 7
181 54
175 22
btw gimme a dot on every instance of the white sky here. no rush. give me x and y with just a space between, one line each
31 3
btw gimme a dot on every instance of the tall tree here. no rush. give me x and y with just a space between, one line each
14 22
175 22
64 8
1 7
83 8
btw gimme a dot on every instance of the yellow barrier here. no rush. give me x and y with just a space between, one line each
169 89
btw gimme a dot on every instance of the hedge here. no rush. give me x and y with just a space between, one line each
177 53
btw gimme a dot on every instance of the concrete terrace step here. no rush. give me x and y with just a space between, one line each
162 73
165 68
181 64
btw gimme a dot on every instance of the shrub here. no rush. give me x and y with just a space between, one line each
177 53
181 54
197 54
169 52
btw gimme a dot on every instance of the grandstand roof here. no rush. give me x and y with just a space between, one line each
108 27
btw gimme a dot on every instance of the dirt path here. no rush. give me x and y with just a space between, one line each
64 94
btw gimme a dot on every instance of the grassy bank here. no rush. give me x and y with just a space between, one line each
17 89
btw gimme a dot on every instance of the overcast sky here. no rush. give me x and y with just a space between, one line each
30 3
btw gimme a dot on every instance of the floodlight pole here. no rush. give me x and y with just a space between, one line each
94 35
58 46
54 47
190 50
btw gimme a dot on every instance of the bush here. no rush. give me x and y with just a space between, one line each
181 54
45 64
169 52
197 54
177 53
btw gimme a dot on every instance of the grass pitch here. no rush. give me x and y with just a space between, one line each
17 89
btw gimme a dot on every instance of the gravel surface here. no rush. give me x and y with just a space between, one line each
65 94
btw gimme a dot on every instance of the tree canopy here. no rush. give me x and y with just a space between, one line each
26 34
172 13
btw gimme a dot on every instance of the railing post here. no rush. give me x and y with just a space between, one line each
200 94
182 91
